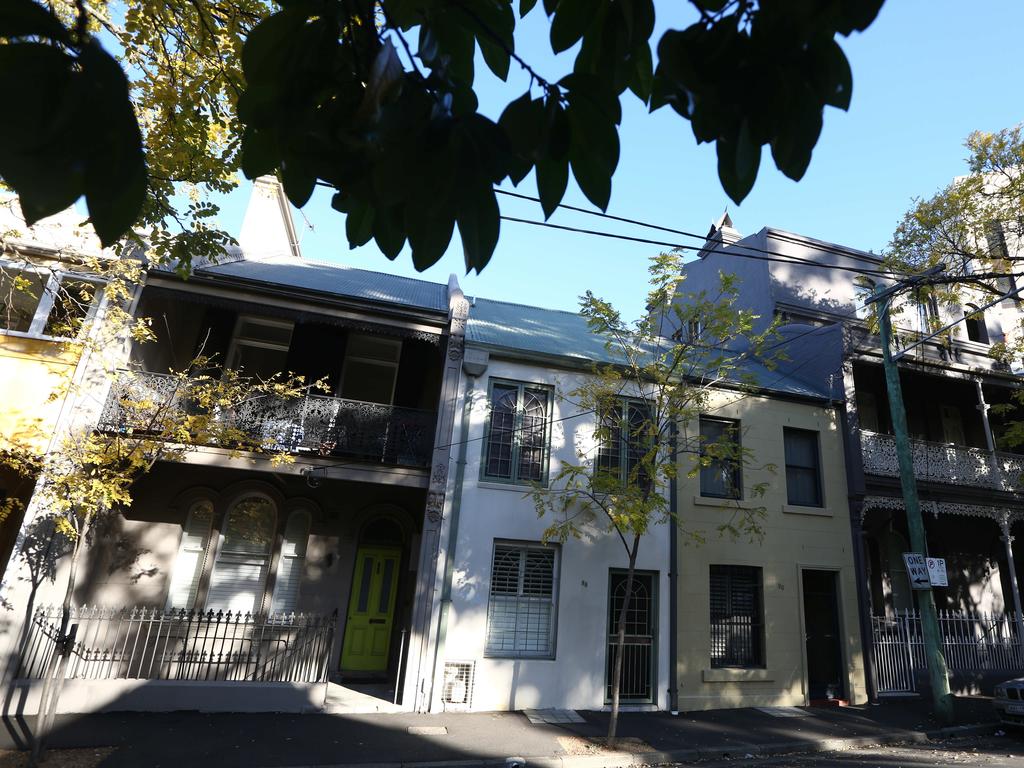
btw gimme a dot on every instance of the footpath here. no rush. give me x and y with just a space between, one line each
541 739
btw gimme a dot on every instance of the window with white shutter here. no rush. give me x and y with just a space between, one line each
291 564
188 565
523 598
240 573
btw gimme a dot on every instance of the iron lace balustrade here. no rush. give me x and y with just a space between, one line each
944 462
312 424
154 644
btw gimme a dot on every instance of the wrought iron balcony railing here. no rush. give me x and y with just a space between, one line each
944 462
313 424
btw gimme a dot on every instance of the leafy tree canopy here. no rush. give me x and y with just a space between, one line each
376 99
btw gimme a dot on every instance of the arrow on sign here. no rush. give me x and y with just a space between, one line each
917 581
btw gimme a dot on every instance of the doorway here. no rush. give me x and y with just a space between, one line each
638 662
371 610
825 677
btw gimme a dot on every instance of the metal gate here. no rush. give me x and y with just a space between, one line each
893 658
638 653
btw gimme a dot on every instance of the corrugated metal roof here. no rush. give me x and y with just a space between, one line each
336 280
519 328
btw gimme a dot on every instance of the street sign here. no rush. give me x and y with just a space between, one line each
917 570
937 571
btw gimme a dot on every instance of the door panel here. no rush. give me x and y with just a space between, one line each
638 663
825 676
371 610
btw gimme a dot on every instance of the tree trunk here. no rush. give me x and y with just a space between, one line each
620 643
56 668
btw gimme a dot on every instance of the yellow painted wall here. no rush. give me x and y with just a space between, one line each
794 539
34 380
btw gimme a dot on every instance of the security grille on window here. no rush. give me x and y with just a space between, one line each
516 447
719 441
737 619
803 468
41 302
624 441
521 609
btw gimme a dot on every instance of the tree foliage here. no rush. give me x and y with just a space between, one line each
667 367
376 99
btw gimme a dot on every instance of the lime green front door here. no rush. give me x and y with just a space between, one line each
371 610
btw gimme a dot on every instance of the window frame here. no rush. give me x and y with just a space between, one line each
392 365
556 570
270 561
818 467
46 302
623 439
737 470
975 317
277 595
759 649
517 433
239 341
200 573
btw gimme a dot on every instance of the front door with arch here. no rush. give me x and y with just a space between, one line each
371 610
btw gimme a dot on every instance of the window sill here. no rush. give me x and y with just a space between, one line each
793 509
737 675
496 657
710 501
493 486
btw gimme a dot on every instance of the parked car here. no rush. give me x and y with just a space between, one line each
1009 702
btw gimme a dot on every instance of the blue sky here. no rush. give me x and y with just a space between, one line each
926 74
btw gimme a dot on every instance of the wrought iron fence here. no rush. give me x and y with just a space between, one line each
944 463
314 424
153 644
971 642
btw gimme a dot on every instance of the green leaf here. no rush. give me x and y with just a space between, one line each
591 175
265 44
525 6
830 72
800 126
552 179
358 219
641 81
22 18
298 180
496 57
259 152
389 231
523 123
479 225
115 166
572 17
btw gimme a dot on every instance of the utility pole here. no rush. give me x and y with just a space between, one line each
942 699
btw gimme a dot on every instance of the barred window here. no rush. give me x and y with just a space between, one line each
803 467
516 445
723 477
737 618
624 441
523 597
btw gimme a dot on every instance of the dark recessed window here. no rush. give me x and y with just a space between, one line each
803 467
722 478
516 446
737 617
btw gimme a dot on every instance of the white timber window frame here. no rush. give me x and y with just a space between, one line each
522 608
291 563
238 582
192 553
49 286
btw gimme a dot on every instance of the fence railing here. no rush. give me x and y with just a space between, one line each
325 426
154 644
971 642
944 462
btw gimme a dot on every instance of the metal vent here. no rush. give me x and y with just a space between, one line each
457 692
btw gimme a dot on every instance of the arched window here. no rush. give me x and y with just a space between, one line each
290 565
863 289
188 565
974 319
240 573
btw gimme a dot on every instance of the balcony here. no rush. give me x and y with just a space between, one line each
944 463
312 425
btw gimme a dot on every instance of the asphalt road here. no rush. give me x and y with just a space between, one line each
991 751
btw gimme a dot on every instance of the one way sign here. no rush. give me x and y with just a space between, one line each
917 570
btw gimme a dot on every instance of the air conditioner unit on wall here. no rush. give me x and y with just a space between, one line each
457 688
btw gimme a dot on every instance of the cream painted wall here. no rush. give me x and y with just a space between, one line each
575 677
794 538
35 375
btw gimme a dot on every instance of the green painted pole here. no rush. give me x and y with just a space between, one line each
937 672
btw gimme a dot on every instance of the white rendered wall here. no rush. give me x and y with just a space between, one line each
575 678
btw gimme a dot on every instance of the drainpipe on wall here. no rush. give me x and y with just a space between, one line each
673 590
474 365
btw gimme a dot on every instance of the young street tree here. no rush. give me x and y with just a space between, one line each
650 401
337 92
